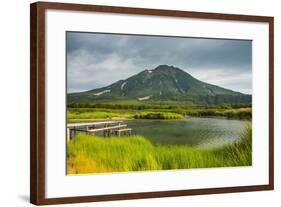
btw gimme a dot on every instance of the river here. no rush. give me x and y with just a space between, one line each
191 131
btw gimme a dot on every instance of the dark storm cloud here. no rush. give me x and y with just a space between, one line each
92 57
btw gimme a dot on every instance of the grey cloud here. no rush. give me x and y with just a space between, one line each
90 56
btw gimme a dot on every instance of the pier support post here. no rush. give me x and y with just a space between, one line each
68 134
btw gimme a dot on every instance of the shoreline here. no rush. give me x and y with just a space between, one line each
133 119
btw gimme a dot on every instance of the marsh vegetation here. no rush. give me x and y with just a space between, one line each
90 154
130 111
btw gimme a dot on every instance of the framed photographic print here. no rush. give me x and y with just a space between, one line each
130 103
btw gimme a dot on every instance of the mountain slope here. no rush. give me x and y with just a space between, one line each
164 83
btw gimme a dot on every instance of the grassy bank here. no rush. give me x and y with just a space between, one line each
160 113
89 154
91 114
238 113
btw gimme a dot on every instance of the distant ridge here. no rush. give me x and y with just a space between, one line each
164 83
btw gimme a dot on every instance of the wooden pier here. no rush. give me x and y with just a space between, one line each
108 128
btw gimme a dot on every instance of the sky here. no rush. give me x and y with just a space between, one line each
96 60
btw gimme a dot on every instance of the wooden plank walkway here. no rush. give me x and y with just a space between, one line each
107 127
74 125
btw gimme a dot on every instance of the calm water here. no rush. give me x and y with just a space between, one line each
201 132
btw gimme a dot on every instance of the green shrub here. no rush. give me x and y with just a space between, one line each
158 115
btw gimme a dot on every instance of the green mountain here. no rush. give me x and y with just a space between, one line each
162 84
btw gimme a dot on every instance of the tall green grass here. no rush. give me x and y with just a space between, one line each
89 154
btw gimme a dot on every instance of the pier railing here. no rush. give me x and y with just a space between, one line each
108 128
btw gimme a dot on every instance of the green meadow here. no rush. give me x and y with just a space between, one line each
155 112
91 154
